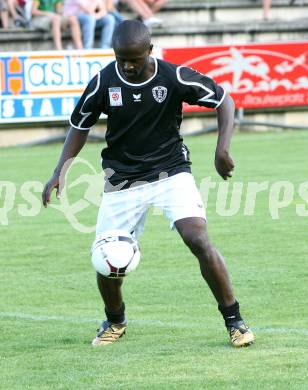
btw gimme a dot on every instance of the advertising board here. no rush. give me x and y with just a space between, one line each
45 86
256 75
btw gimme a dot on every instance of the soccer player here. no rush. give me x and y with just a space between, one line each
147 163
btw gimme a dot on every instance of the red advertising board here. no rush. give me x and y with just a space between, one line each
256 75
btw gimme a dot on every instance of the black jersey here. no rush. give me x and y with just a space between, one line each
143 138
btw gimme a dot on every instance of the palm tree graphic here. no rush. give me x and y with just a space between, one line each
237 64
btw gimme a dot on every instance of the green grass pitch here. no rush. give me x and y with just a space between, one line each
50 307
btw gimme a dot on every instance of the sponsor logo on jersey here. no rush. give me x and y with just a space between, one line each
159 93
115 96
137 98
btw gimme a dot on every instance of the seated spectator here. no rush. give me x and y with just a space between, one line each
146 9
112 9
87 21
48 13
105 22
266 8
155 5
93 14
20 11
4 15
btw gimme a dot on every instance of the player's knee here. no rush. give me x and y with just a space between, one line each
196 242
115 282
200 246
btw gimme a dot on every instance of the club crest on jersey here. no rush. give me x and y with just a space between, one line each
115 96
159 93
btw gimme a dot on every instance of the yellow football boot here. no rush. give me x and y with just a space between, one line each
109 333
240 334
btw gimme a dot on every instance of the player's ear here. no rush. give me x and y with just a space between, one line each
151 48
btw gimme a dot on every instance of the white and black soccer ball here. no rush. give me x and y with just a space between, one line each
115 253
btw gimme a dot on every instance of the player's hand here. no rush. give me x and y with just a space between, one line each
224 164
53 183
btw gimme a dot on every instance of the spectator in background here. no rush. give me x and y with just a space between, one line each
20 11
48 13
266 8
145 9
92 15
87 20
4 15
105 22
155 5
112 9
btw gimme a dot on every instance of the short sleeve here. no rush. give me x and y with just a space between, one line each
198 89
89 106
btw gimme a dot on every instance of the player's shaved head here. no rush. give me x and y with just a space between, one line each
132 47
131 33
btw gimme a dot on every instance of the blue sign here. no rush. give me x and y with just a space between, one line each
45 86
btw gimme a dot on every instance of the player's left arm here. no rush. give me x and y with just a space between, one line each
225 116
197 88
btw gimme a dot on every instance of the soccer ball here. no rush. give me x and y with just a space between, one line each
115 253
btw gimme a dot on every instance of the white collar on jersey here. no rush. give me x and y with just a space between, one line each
137 85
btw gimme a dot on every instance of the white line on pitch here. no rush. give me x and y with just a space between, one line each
69 319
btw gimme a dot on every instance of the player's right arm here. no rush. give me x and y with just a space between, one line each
74 142
84 116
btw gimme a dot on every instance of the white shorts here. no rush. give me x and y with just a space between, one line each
177 196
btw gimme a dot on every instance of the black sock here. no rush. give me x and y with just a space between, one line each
116 317
231 313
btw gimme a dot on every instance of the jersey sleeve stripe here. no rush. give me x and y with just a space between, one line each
222 98
85 115
78 128
209 92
